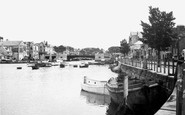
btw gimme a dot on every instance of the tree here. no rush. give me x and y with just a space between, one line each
114 49
69 48
124 47
159 33
59 49
91 51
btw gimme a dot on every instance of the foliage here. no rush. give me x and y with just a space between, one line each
124 47
114 49
59 49
159 33
69 48
90 51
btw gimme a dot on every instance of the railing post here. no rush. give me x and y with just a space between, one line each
173 71
144 63
151 64
183 90
160 64
180 87
154 64
183 84
180 103
168 66
164 66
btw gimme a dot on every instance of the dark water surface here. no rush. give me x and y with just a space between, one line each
50 91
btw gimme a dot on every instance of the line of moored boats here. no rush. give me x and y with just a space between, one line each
81 64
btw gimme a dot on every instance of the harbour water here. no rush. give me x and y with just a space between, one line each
48 91
52 91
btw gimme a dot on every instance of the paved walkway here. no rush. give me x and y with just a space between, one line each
169 108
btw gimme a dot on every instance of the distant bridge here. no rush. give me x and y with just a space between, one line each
73 57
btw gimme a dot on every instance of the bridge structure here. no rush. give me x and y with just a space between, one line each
80 57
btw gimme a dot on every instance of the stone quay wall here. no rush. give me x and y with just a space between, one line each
147 75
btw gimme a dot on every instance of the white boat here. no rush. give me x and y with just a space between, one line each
94 86
55 63
30 64
83 65
95 99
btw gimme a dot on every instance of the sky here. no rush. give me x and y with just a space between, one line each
79 23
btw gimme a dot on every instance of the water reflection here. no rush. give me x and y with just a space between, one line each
101 100
115 109
95 99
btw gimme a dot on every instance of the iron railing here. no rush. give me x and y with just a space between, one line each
165 66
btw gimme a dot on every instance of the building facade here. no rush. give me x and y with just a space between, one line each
15 49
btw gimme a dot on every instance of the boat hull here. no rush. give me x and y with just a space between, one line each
84 66
96 99
43 64
144 99
94 89
94 86
35 67
62 65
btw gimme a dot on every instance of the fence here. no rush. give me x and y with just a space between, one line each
165 66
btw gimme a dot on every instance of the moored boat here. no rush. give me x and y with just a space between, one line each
75 65
94 86
43 64
95 99
55 63
62 65
35 67
116 88
144 94
30 64
84 65
19 67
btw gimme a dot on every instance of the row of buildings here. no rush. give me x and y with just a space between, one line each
20 50
138 49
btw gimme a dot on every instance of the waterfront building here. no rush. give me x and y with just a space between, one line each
50 53
134 37
62 56
135 44
180 29
35 51
3 53
102 56
41 47
44 51
29 50
14 49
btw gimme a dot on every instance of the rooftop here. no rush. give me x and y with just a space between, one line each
10 43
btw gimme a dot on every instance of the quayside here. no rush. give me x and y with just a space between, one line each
139 91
